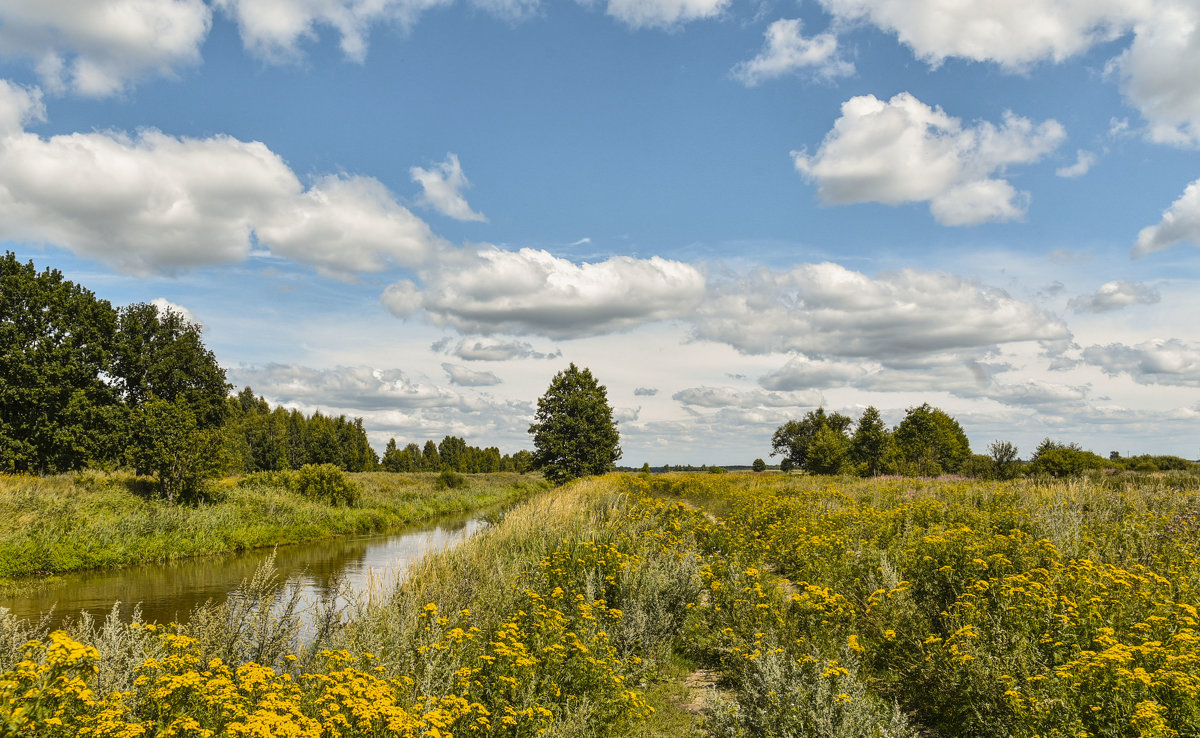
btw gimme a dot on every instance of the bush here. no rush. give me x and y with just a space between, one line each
450 479
327 483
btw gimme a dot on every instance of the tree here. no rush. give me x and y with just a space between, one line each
870 444
168 442
56 412
828 452
931 441
159 353
792 439
1004 459
1055 459
574 434
759 465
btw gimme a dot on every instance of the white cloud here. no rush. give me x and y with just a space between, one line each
465 377
494 349
1158 361
1014 33
1083 164
722 397
664 13
1114 296
1158 71
274 30
787 51
1179 224
645 391
903 150
402 298
165 305
347 387
534 292
154 203
18 107
99 47
829 310
803 373
443 185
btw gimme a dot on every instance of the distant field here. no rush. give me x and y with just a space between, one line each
719 605
58 524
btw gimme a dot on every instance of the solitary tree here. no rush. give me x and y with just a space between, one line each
759 465
574 434
1004 457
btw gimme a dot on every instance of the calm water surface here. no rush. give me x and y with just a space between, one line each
342 568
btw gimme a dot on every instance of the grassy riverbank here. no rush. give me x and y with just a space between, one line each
723 606
70 522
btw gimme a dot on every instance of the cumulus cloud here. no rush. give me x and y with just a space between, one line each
664 13
154 203
465 377
1158 361
165 306
802 373
100 47
1013 34
644 392
1155 71
534 292
495 349
443 185
351 387
903 151
1158 71
1083 164
274 30
1180 224
828 310
1114 296
787 51
723 397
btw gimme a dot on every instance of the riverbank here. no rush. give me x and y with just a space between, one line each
72 522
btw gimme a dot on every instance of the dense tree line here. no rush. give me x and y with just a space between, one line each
455 455
928 442
261 438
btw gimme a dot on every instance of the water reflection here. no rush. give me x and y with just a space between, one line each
345 568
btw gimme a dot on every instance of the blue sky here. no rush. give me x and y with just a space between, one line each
417 211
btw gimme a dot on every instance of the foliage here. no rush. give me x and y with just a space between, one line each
450 479
759 465
574 434
158 354
871 447
326 483
931 441
55 409
275 439
794 438
1003 455
167 442
1055 459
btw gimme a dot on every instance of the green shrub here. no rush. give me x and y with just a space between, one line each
326 482
450 479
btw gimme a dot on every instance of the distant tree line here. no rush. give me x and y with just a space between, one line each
929 442
455 455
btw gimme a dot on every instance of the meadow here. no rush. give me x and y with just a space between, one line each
88 520
719 605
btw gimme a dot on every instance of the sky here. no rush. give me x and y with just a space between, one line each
416 212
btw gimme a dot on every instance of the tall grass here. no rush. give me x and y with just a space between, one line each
70 522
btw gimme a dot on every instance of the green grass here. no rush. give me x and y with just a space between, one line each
70 522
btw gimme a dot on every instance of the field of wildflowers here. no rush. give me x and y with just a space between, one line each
824 606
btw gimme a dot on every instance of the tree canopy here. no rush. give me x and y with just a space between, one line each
574 434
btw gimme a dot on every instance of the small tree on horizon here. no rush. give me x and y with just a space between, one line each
574 434
759 465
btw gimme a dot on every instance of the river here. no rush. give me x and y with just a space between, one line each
168 592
